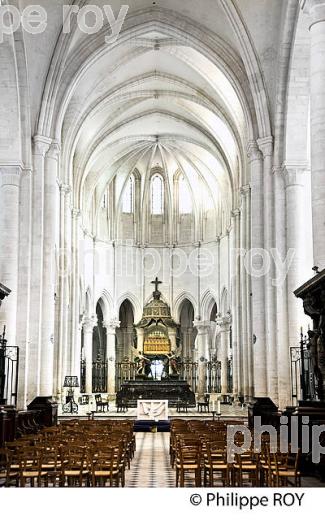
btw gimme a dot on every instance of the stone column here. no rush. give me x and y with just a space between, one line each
140 339
202 342
24 269
234 305
63 341
257 283
10 177
75 291
248 304
224 325
243 291
172 336
316 10
41 146
49 270
111 327
88 327
266 147
128 342
284 382
237 305
294 186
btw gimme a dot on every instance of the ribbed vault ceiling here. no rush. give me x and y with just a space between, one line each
153 100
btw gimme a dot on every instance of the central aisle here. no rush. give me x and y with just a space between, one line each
150 467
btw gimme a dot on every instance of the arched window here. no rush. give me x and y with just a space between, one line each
185 199
128 196
157 195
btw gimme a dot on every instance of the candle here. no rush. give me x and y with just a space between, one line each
213 406
218 407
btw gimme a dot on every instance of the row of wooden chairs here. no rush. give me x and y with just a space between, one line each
201 447
75 453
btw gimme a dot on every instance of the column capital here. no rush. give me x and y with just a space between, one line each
253 151
265 144
294 175
111 325
10 175
41 144
89 324
245 190
235 213
76 213
54 151
201 326
224 321
65 188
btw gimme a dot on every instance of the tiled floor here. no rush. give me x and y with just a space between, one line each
150 467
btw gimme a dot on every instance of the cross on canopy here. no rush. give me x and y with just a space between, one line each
156 283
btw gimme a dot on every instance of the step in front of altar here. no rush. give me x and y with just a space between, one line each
172 391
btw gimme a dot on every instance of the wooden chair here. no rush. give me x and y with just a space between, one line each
51 463
74 466
188 460
215 462
182 405
246 465
30 468
104 468
204 406
268 465
122 406
282 473
7 473
100 404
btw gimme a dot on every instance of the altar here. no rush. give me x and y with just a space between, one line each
153 410
158 341
172 391
157 374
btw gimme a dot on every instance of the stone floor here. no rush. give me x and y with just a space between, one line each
151 468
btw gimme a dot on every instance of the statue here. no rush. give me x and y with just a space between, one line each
171 365
143 365
317 354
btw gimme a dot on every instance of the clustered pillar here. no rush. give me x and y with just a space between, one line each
10 177
224 323
202 346
111 327
316 10
88 328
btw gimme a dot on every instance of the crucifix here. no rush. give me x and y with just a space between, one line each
156 283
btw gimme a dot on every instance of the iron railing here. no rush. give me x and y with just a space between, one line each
214 377
302 374
189 372
9 362
127 370
229 377
82 376
99 380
